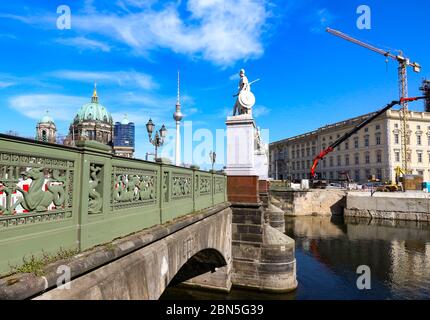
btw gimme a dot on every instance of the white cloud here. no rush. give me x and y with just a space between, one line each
259 111
84 43
5 84
219 31
234 76
121 78
321 19
34 106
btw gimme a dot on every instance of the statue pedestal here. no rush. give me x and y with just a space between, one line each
240 145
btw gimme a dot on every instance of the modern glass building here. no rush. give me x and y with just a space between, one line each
123 138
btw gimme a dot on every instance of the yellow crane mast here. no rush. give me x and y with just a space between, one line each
403 89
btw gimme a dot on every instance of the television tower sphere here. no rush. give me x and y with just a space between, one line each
177 115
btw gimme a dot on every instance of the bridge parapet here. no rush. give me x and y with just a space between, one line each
55 197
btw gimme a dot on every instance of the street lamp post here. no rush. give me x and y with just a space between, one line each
212 155
160 135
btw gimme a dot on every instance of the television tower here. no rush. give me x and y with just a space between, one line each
177 116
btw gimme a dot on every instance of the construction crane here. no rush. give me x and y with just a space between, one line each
404 62
361 125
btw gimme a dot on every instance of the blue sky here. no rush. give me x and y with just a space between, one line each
133 49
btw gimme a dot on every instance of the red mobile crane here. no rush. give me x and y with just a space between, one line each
357 128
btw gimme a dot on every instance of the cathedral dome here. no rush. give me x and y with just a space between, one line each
94 111
46 118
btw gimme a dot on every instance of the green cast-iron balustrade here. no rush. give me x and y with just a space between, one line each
54 197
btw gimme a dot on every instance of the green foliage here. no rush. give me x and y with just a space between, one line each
36 265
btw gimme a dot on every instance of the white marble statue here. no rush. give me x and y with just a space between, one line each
245 98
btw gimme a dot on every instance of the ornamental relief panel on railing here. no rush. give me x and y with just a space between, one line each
133 187
95 198
34 189
205 185
182 186
219 185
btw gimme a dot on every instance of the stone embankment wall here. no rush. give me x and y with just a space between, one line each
263 257
310 202
414 206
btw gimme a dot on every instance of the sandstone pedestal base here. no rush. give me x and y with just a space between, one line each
263 257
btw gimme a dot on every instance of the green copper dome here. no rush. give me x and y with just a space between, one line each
46 118
93 111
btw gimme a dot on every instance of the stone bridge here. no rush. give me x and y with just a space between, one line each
126 228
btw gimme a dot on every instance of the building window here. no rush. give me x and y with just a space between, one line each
379 174
294 165
378 127
346 145
357 159
420 172
303 153
308 152
293 154
397 156
324 163
366 129
357 175
396 125
420 157
378 157
378 139
331 161
314 151
418 139
396 138
303 165
367 158
418 127
428 139
366 141
347 160
356 143
339 161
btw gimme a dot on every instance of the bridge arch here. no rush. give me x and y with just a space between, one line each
145 273
206 260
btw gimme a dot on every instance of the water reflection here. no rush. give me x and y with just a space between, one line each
329 250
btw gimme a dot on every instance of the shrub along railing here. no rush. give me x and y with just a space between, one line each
54 197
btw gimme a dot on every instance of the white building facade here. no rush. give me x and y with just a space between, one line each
373 151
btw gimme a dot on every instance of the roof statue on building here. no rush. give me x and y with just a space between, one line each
245 98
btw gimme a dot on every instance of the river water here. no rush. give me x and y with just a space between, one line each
329 251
